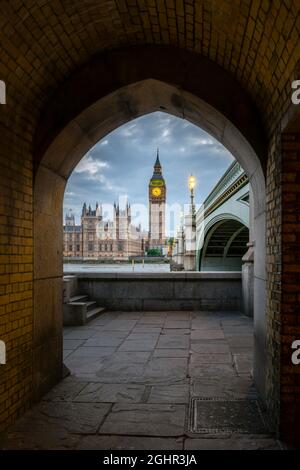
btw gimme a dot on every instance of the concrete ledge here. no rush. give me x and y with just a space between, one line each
163 291
172 276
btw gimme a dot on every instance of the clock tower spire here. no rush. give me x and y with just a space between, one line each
157 207
157 165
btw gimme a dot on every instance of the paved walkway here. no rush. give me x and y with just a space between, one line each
135 382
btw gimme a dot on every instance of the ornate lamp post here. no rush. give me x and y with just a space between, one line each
192 184
190 230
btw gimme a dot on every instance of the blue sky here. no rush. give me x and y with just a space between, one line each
120 165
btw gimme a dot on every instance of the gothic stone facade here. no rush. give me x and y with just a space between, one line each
100 239
103 239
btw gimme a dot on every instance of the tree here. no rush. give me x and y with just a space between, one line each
154 252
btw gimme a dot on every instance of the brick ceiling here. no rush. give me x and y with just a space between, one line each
42 42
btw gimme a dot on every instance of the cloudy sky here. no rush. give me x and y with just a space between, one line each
121 164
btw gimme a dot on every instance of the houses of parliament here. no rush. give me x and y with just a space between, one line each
118 238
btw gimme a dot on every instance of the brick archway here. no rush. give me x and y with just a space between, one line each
197 48
57 163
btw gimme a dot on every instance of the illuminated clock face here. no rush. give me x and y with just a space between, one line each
156 192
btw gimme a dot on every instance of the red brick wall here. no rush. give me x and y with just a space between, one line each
290 281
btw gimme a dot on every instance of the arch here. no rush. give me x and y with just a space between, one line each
228 248
118 69
204 229
223 233
219 218
58 159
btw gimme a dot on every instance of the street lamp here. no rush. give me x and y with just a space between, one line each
192 184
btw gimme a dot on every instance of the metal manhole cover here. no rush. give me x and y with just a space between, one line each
216 415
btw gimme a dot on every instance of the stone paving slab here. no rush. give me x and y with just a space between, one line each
173 341
236 320
165 369
67 353
245 350
211 358
210 347
129 357
80 334
141 336
176 331
139 398
66 390
93 351
154 321
232 331
164 352
120 325
228 387
174 393
243 363
70 344
179 315
106 341
210 370
146 328
205 324
178 324
101 322
138 345
207 334
120 334
131 315
84 364
145 419
242 341
46 439
81 418
124 373
110 393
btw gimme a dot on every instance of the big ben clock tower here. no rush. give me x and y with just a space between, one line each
157 207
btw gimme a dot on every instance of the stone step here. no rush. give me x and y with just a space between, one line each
91 314
80 310
91 304
78 298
